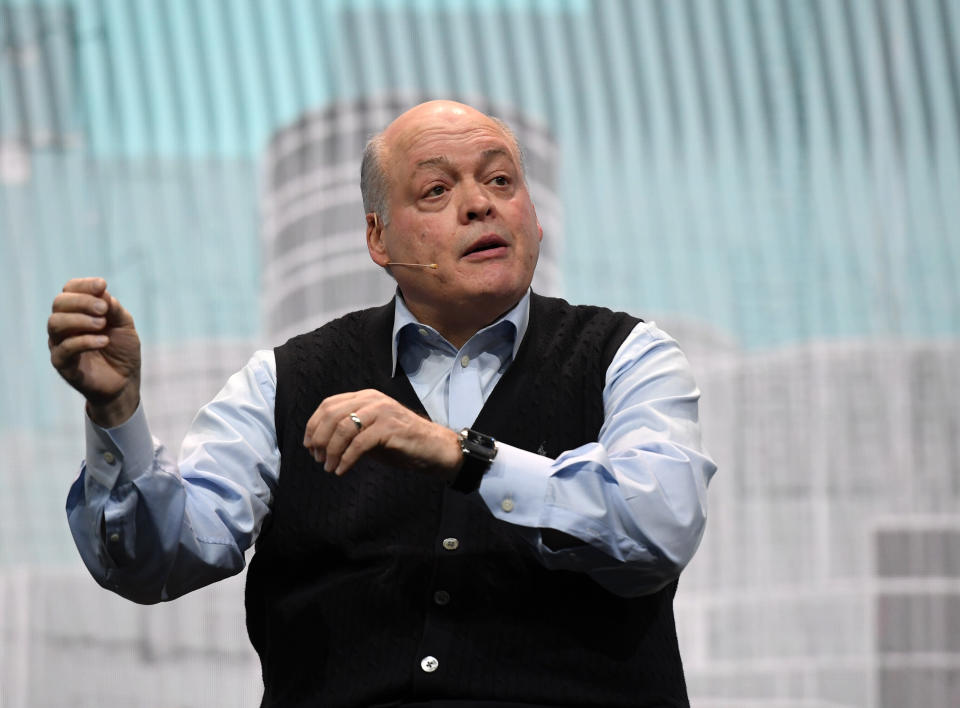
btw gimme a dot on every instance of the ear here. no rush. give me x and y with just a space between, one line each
537 221
375 244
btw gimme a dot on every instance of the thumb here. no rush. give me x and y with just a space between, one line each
117 315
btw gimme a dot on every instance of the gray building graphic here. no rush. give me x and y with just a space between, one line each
831 563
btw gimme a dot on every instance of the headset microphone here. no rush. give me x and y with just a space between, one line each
415 265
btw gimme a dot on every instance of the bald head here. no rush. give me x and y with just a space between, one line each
374 180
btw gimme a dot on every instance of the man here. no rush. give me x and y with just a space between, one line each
401 559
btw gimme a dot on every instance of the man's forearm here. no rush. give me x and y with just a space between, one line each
636 499
151 529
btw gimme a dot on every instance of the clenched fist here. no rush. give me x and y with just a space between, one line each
95 347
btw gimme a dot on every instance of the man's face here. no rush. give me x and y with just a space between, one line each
457 198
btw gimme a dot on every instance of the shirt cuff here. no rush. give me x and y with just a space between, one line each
515 486
118 454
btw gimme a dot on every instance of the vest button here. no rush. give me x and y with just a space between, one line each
451 544
429 664
441 597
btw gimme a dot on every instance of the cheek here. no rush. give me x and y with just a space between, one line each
431 243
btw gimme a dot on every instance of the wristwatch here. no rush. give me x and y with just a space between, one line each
478 452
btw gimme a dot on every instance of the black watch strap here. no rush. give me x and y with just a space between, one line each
478 452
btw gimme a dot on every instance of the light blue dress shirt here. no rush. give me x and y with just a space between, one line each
152 529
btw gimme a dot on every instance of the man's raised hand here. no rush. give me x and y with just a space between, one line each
95 347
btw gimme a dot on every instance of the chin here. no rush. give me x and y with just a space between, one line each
501 292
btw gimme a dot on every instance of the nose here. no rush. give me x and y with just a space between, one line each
475 204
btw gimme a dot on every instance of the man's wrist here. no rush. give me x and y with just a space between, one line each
458 456
117 411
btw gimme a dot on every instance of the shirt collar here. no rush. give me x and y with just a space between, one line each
518 316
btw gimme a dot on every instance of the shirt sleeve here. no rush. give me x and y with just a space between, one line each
629 509
151 529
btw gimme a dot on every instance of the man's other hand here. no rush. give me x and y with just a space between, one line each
94 345
386 429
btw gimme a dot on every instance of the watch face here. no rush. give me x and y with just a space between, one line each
480 439
478 444
478 452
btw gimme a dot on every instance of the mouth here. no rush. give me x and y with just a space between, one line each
486 246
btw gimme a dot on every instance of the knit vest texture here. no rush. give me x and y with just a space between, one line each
356 579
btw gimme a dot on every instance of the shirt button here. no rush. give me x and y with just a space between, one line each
451 544
441 597
429 664
114 537
507 505
109 457
423 332
464 361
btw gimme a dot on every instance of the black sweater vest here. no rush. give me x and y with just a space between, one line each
356 579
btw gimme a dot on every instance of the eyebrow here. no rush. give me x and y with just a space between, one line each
490 154
439 161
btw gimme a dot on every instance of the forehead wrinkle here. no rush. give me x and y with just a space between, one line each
444 162
408 138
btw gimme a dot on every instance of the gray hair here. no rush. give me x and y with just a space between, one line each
373 179
508 131
374 182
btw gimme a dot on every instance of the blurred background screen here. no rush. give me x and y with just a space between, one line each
769 180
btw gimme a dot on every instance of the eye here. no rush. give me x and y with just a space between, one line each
500 181
436 190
